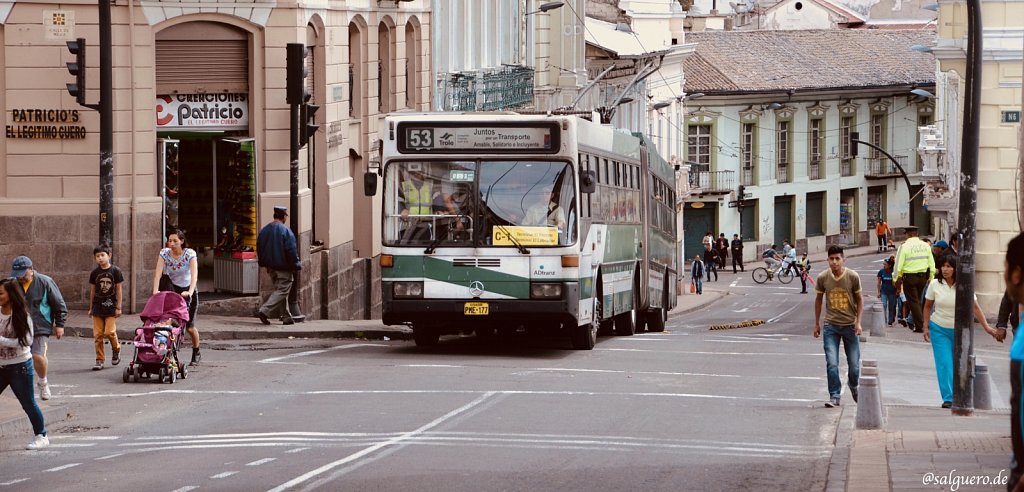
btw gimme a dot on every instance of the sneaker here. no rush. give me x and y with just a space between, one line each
902 322
98 366
947 404
44 392
853 392
834 402
116 358
38 442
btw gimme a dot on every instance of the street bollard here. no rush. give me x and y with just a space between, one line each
872 372
878 323
869 404
982 387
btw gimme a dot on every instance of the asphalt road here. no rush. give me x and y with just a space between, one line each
688 409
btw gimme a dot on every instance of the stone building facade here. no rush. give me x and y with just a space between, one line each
201 138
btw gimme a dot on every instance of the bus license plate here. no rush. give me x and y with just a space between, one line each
475 308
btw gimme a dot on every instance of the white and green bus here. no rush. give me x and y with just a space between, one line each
504 221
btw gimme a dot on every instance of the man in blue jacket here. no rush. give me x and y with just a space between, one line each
48 311
278 253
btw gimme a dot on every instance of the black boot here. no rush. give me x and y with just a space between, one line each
196 356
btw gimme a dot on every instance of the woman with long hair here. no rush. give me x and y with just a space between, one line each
939 317
16 368
177 270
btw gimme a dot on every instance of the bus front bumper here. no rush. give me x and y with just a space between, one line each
501 311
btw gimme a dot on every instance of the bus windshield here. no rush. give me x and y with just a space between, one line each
479 203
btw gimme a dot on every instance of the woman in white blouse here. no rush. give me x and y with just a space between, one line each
939 315
177 269
16 368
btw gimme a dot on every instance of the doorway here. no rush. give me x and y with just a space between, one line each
208 185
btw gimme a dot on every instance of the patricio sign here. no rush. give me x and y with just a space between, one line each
45 124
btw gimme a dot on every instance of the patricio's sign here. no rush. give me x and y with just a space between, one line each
45 124
219 111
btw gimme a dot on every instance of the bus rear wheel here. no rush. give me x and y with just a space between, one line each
425 337
656 320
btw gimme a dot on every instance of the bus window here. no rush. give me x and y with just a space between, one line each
521 199
428 202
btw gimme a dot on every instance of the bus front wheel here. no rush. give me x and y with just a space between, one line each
425 337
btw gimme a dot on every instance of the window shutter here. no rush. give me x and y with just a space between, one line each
191 66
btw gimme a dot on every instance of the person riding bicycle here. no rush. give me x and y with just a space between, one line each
772 259
789 258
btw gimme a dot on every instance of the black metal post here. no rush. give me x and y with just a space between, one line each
891 158
106 127
963 330
293 205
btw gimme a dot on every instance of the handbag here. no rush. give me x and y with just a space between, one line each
693 286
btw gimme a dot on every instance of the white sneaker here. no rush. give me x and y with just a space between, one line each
38 442
44 390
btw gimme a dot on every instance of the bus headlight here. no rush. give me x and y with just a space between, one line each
545 291
407 290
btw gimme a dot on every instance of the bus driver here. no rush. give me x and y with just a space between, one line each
546 212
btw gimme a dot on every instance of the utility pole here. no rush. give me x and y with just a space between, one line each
963 330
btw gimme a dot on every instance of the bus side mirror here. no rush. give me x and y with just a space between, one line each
588 181
369 184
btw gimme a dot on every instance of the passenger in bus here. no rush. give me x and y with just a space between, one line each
546 212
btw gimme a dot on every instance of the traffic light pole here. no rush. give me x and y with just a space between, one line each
293 205
106 127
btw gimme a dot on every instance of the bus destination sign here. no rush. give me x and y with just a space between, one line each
420 138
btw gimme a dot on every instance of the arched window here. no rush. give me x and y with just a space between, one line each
386 48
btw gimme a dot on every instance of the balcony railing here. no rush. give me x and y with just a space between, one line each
711 182
814 170
881 167
782 173
846 167
511 86
748 177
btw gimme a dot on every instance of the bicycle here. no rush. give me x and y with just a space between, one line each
783 272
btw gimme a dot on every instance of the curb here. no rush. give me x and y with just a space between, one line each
12 430
397 333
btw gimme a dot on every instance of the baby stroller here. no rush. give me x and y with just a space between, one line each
156 342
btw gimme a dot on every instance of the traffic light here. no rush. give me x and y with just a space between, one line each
77 89
309 126
740 195
296 74
854 137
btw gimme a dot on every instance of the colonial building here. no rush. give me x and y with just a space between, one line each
201 138
775 121
999 169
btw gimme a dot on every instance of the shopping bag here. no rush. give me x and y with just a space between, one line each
693 287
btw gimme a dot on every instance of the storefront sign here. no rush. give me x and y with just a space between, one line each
221 111
59 25
45 124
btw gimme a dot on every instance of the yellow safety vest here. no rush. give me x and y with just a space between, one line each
914 256
417 200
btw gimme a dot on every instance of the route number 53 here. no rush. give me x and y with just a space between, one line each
421 138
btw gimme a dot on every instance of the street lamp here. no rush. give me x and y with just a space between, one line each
544 8
661 105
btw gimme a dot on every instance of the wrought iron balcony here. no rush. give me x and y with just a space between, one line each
511 86
847 166
882 168
711 182
782 173
814 170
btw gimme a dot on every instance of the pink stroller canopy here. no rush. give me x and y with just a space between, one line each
165 305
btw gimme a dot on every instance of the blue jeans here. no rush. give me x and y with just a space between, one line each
889 307
942 351
19 377
831 335
699 283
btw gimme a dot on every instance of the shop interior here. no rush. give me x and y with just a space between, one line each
208 182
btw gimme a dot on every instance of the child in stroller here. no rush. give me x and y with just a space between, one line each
156 342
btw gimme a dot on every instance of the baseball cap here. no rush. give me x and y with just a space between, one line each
941 244
19 266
